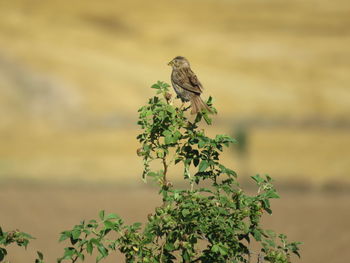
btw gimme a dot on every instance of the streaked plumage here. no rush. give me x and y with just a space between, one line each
187 85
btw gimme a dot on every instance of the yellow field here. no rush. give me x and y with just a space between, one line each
73 74
309 156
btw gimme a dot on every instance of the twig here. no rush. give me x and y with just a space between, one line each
81 250
165 169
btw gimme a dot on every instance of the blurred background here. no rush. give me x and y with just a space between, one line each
74 73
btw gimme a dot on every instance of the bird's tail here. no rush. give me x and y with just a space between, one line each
198 105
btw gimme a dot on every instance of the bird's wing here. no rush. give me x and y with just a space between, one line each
194 80
187 80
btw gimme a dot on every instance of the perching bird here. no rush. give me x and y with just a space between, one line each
187 85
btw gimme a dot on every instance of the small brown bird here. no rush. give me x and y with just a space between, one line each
187 85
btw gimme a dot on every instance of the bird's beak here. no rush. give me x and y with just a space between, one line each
170 63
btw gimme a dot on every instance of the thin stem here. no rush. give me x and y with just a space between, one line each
81 250
165 166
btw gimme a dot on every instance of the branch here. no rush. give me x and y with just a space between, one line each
81 250
165 166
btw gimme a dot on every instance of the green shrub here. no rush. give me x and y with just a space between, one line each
210 220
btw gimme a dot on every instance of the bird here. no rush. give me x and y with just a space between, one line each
187 85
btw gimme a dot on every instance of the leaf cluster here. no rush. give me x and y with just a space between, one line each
17 237
90 236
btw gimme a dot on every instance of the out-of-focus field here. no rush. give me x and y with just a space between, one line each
73 74
319 219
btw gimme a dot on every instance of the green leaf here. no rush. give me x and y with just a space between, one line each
201 143
95 241
108 224
170 109
296 253
257 235
272 194
215 248
185 212
294 247
76 233
257 178
73 241
177 135
186 256
177 160
270 233
92 223
69 252
148 113
89 247
137 225
25 235
112 216
227 171
160 154
64 235
176 196
102 250
207 119
270 242
198 118
266 205
40 255
203 166
223 250
206 190
163 84
3 253
155 86
169 246
168 139
81 256
101 214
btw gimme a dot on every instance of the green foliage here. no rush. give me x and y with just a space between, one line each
12 237
201 223
91 236
210 220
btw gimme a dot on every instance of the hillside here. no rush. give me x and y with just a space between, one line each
73 74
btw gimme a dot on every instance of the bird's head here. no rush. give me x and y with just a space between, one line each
179 62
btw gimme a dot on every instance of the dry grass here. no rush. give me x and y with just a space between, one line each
282 59
110 156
